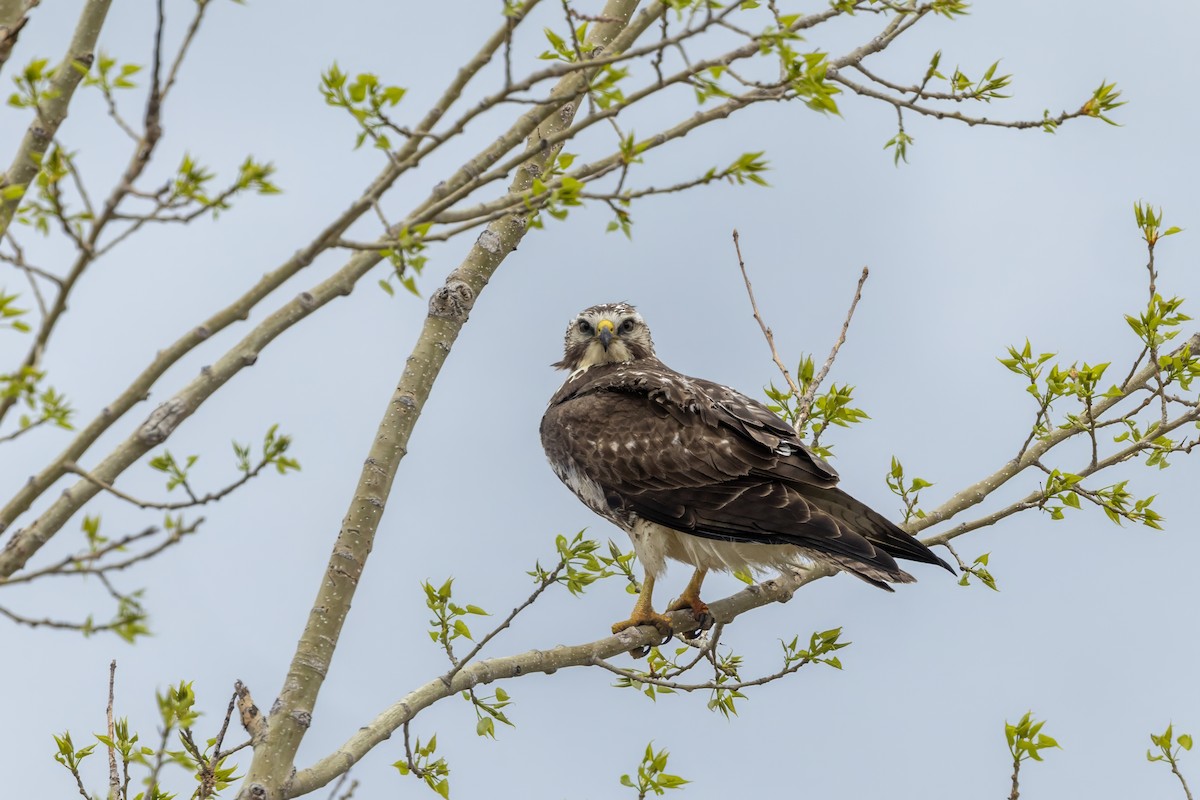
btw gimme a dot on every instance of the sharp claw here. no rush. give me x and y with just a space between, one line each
660 623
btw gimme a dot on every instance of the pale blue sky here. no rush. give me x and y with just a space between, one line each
988 237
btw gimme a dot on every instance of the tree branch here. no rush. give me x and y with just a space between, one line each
75 64
240 309
534 662
268 777
807 400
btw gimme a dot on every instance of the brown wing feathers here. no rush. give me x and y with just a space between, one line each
701 458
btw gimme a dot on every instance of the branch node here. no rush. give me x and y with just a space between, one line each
452 301
254 723
161 422
489 241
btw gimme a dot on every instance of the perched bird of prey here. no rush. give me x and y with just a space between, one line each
696 472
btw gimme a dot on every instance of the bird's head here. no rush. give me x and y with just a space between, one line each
611 333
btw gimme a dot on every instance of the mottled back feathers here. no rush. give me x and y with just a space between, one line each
639 442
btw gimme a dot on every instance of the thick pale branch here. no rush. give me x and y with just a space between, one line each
533 662
51 113
13 16
270 772
980 490
1037 498
27 541
240 308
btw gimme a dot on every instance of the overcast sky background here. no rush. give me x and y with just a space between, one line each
987 237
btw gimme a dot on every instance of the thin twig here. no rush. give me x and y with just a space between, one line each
1175 768
548 581
758 318
192 500
114 777
642 677
806 401
22 431
57 624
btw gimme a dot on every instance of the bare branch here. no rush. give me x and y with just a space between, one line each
807 400
486 671
787 376
191 502
114 777
50 114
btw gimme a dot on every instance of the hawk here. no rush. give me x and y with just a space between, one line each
697 472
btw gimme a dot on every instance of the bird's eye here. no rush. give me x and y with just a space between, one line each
585 327
627 325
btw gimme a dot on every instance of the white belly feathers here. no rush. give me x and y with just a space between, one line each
655 543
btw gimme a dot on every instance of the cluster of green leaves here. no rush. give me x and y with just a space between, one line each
10 314
657 666
177 474
1025 739
605 86
91 532
1077 381
726 675
129 621
820 645
979 569
1156 326
804 72
365 100
46 206
1169 746
554 192
192 185
488 711
582 565
909 493
1102 101
33 85
447 623
831 407
274 451
987 88
808 80
651 774
945 8
1116 500
1150 221
560 48
178 716
899 145
108 75
661 667
960 88
707 83
746 168
1159 447
434 771
407 257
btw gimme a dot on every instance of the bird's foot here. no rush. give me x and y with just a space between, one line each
699 609
660 623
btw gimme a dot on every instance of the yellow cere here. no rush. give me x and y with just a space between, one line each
604 324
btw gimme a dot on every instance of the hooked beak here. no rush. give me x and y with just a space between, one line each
604 330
